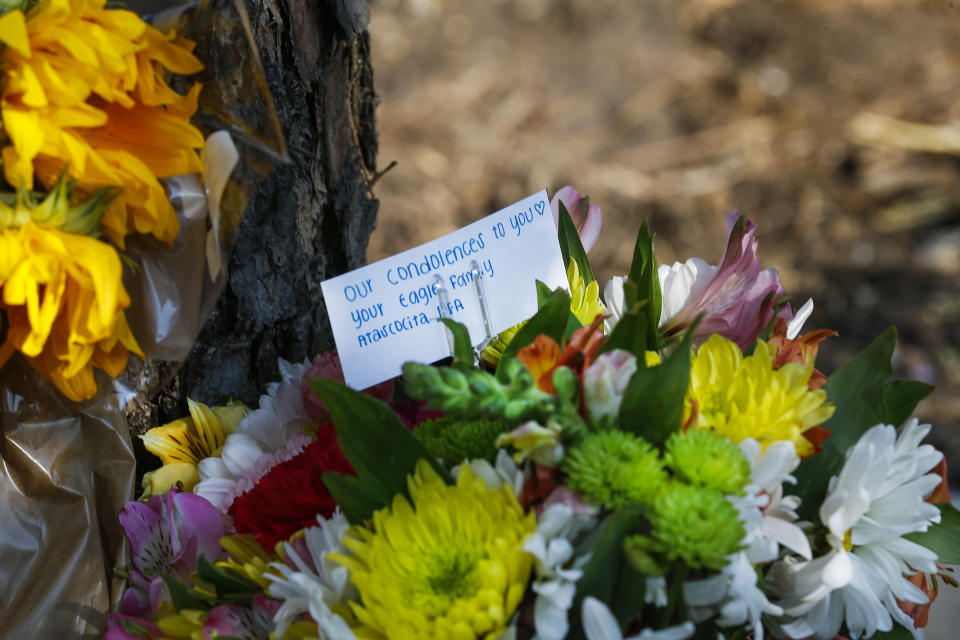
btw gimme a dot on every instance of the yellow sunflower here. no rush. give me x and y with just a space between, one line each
64 299
83 87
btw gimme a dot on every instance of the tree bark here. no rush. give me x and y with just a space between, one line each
309 219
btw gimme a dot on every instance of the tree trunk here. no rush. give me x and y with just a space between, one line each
309 219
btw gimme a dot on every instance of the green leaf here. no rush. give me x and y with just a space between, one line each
775 307
543 292
898 632
353 496
381 450
570 245
863 398
653 402
181 596
550 320
608 576
573 322
942 538
643 273
225 581
462 347
630 334
901 397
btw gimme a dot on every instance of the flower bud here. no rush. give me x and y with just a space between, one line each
605 382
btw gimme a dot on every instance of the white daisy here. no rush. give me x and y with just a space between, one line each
309 582
768 522
768 516
732 595
876 499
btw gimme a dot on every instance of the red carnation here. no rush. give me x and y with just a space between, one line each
289 497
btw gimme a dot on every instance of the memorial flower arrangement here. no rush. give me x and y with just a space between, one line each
89 126
665 464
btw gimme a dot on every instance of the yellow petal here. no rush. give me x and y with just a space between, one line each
26 134
11 253
170 474
230 416
13 32
207 426
25 83
171 443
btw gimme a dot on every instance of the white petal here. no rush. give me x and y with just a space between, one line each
214 491
705 592
240 453
209 468
598 621
615 301
799 318
550 620
789 535
679 632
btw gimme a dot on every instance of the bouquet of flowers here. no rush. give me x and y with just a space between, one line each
664 463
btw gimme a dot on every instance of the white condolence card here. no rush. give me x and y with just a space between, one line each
387 313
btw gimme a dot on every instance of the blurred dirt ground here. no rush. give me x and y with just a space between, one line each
835 125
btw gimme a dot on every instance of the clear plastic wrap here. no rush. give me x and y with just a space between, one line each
66 469
65 472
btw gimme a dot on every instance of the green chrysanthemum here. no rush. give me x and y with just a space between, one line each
707 459
454 441
614 469
695 525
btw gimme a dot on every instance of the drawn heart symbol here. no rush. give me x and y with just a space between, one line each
539 207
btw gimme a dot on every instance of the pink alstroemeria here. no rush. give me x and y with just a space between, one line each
248 623
737 301
167 535
327 365
588 220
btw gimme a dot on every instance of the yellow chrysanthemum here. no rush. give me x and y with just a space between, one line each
84 87
247 558
451 565
584 303
584 299
744 397
183 443
64 299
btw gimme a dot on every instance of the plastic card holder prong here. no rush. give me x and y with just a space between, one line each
479 291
